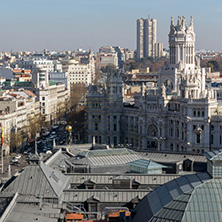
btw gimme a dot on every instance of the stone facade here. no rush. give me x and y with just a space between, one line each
181 115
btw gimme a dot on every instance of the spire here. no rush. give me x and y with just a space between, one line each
179 21
191 21
184 21
172 23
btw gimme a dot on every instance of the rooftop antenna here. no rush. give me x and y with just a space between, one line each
148 16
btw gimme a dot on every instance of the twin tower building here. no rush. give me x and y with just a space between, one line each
182 114
147 45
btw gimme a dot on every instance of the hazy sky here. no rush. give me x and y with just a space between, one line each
72 24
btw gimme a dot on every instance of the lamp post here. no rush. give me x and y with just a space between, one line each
69 130
158 141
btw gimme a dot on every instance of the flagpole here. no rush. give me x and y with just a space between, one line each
2 147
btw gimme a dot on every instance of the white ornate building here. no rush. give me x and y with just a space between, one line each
182 115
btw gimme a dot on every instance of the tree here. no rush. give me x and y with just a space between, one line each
78 93
16 141
108 69
34 125
213 64
77 119
61 109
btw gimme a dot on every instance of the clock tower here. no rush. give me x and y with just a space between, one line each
182 44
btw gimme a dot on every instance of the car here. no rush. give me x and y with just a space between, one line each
48 152
15 160
53 133
46 133
55 127
18 156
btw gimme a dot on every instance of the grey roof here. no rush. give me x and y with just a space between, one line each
158 179
27 213
174 210
201 204
76 148
107 152
106 157
109 196
147 164
157 201
205 203
173 157
58 161
38 180
214 155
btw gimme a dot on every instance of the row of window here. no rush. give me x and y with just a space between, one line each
198 113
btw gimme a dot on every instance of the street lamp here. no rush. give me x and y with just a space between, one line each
158 141
69 130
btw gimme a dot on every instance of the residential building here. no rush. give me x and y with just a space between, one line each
147 45
53 96
19 109
31 62
108 56
78 73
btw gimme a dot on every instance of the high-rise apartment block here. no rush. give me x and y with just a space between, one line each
147 45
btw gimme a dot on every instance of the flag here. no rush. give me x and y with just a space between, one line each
2 135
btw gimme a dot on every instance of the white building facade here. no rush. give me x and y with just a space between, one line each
181 115
79 73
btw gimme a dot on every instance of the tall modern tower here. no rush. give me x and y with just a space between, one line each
146 38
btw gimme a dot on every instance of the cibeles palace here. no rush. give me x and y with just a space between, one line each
181 115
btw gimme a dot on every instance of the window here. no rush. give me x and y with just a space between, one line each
96 126
203 114
171 132
212 139
198 138
43 98
115 140
212 127
194 113
114 127
178 133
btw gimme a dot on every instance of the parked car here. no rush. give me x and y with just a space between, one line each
55 127
18 156
14 160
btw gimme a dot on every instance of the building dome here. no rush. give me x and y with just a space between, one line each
196 197
71 61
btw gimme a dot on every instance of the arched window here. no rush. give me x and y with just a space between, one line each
203 114
198 138
152 130
194 113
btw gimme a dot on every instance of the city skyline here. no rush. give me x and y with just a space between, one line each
68 25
